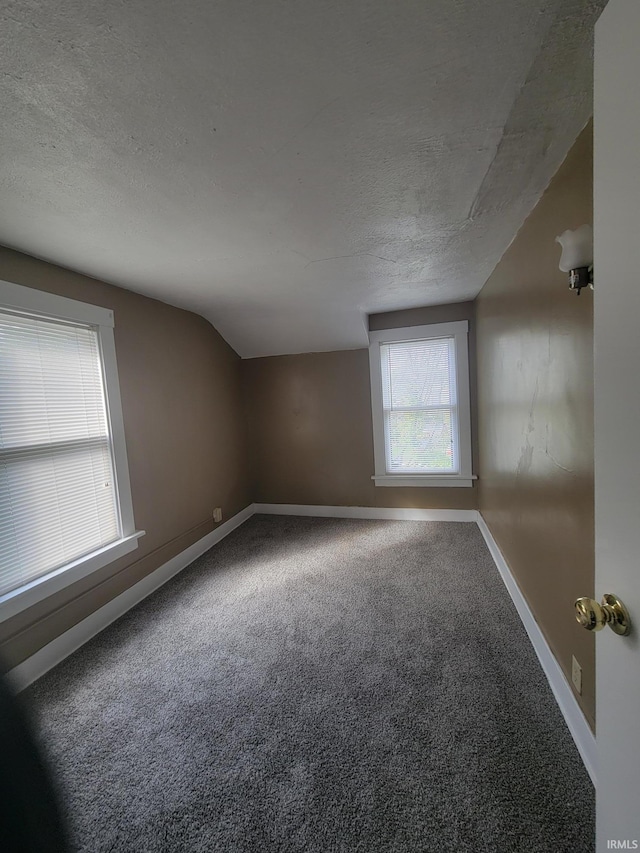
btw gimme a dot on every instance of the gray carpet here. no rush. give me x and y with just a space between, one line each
318 685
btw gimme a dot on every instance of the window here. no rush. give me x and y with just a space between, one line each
420 405
65 501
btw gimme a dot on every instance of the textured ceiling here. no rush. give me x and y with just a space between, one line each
285 167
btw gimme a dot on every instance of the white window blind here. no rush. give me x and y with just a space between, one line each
58 500
419 401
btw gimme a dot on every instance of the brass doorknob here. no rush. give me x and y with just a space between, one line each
611 612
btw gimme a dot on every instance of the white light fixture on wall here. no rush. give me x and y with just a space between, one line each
577 257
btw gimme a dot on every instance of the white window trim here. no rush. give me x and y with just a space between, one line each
460 331
31 301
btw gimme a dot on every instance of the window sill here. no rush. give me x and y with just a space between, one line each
424 480
41 588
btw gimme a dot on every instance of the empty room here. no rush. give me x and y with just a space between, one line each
319 486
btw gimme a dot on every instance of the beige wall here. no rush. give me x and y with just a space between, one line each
183 418
535 385
310 426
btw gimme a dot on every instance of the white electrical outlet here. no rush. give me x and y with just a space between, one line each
576 674
217 514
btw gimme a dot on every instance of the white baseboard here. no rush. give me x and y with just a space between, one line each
374 512
57 650
576 722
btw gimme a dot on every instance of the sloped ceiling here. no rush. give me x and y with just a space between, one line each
285 167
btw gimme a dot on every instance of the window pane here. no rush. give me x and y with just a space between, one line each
420 405
419 374
50 382
54 508
420 441
57 491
